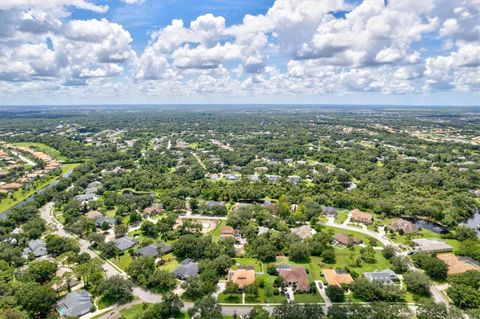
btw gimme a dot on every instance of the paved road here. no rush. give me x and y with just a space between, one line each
110 269
437 294
25 159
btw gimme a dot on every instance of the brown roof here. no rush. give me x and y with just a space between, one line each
337 279
345 240
152 210
297 276
11 186
242 277
227 230
359 216
93 214
456 265
404 225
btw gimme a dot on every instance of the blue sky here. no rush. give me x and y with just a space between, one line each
244 51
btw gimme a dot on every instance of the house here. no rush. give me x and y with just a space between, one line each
212 203
125 243
430 245
93 214
294 179
457 264
187 269
360 217
227 231
403 226
304 231
243 276
153 210
105 219
154 250
273 178
262 230
232 177
237 206
329 211
336 277
75 304
386 276
253 178
86 197
147 251
346 240
36 247
295 277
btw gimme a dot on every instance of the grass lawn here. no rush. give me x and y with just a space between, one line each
251 262
171 262
344 259
136 311
230 298
21 195
122 261
308 298
43 148
103 303
342 215
216 232
424 233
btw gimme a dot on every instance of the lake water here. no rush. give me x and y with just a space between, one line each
474 222
427 224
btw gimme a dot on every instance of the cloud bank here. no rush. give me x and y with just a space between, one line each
297 48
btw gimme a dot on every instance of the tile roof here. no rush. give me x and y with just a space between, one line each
243 277
335 278
295 276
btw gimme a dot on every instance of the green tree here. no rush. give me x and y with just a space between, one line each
36 299
417 282
170 307
161 281
206 308
42 271
299 252
116 289
335 293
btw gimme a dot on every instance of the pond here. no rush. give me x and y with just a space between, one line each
428 224
474 222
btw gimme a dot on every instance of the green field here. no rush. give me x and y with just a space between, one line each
122 261
249 262
21 195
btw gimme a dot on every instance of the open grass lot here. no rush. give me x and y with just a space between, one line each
344 259
308 298
216 232
249 262
21 194
122 261
43 148
424 233
342 215
230 298
136 311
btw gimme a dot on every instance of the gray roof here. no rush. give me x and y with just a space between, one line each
3 216
125 243
186 269
212 203
91 190
86 197
148 251
36 247
386 276
109 220
430 245
75 304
